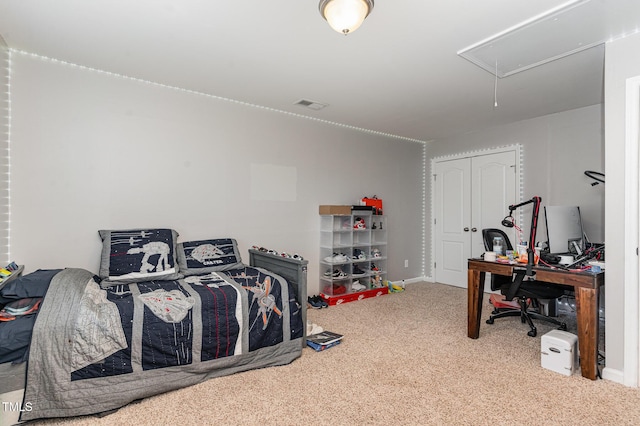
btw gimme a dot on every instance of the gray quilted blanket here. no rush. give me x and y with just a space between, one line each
95 349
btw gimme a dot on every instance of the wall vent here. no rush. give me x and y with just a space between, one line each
316 106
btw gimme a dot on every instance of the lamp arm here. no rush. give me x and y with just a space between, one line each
534 227
524 203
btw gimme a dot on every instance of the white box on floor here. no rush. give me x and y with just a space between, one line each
559 352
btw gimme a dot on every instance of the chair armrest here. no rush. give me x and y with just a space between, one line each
515 285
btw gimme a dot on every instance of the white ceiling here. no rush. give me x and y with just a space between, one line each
398 74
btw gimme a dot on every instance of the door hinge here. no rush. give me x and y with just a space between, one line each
435 220
435 177
434 265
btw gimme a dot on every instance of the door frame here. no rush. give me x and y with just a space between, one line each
430 272
631 376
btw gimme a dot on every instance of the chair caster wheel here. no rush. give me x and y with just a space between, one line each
563 327
533 333
490 321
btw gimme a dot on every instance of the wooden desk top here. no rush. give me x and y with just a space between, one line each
542 273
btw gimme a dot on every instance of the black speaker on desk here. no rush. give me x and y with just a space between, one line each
549 258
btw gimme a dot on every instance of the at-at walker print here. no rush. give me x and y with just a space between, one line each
154 248
151 249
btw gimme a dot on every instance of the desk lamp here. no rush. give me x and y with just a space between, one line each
508 221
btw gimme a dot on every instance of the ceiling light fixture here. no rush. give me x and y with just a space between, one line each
345 16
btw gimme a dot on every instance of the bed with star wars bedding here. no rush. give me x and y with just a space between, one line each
95 348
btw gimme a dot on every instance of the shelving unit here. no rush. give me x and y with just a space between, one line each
353 256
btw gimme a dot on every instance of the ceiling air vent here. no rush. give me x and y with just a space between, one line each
316 106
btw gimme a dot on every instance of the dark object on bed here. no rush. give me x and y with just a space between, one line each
33 285
15 335
101 348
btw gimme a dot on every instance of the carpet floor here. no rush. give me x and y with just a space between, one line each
405 360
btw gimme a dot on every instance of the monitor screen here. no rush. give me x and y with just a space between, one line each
564 229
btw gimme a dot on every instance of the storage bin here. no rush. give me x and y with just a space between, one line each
559 352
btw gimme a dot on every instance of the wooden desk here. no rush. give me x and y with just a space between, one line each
585 284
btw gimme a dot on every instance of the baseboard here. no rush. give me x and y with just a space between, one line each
613 375
410 281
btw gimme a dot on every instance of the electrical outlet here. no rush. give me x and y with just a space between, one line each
406 263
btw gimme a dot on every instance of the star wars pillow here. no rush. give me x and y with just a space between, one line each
201 257
137 255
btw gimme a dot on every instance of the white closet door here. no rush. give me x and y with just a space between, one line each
470 194
452 220
493 191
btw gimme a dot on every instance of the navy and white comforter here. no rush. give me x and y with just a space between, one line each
95 349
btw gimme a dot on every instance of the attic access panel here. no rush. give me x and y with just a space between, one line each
570 28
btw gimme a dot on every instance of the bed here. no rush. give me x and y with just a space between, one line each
159 316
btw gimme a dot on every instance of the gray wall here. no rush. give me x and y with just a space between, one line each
556 151
95 151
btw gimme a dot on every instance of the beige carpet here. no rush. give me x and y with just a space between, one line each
405 360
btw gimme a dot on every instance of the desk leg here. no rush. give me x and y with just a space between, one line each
588 329
475 292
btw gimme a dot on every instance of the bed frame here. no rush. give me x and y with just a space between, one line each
292 270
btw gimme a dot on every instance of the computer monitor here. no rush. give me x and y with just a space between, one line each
564 229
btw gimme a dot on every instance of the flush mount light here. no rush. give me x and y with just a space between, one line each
345 16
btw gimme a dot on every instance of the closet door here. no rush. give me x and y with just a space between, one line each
452 220
470 194
493 191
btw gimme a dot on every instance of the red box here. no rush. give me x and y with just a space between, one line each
374 202
352 297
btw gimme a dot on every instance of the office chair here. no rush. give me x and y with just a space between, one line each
518 287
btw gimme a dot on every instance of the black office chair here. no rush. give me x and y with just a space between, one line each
520 288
